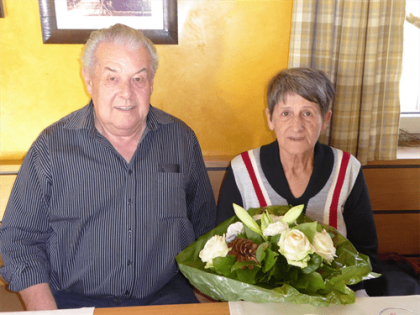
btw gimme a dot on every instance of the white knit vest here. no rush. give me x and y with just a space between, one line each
326 207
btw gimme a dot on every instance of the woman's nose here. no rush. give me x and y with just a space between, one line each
297 123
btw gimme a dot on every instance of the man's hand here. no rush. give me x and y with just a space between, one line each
202 298
38 298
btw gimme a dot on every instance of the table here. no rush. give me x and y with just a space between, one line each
218 308
364 306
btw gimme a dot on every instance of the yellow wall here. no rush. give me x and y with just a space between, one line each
214 79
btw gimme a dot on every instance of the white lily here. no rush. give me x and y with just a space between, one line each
246 219
265 221
292 214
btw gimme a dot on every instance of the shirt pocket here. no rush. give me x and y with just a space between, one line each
171 197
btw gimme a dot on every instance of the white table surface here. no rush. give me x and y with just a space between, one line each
362 306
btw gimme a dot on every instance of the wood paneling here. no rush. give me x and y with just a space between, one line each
394 188
216 179
395 196
398 233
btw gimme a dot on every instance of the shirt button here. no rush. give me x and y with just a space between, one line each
130 172
129 201
129 263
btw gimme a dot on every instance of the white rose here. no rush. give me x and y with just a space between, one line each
276 228
275 218
233 230
324 246
215 247
295 246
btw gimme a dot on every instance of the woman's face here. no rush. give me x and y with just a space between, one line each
297 123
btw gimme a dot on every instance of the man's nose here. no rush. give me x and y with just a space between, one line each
126 90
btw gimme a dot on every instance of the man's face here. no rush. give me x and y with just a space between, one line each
120 85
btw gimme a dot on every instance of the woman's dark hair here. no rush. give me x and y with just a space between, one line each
311 84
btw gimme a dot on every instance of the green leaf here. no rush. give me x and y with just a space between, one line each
310 283
270 260
223 265
313 264
327 272
248 275
308 229
274 241
241 235
292 214
246 219
244 265
260 254
251 235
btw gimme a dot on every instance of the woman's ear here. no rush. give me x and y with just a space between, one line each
327 119
269 122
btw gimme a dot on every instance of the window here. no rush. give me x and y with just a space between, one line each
410 79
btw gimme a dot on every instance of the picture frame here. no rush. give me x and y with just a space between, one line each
1 9
62 24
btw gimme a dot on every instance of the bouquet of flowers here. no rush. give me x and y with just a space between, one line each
274 254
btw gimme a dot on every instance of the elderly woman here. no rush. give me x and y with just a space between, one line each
297 169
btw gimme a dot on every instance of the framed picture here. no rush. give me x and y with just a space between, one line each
72 21
1 9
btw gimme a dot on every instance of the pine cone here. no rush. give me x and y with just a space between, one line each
243 249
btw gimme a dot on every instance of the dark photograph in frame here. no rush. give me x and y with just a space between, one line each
72 21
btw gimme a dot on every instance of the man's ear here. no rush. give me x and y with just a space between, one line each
88 80
151 85
327 119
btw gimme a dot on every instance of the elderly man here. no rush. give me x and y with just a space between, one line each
108 195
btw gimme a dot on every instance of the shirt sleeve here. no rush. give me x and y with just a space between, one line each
24 231
229 194
200 198
360 224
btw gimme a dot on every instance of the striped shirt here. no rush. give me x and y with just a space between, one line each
84 220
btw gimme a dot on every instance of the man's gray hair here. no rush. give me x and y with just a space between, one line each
311 84
122 35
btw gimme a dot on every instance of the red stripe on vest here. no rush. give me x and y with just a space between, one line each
337 189
257 188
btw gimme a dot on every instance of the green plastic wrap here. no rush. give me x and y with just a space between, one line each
349 267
